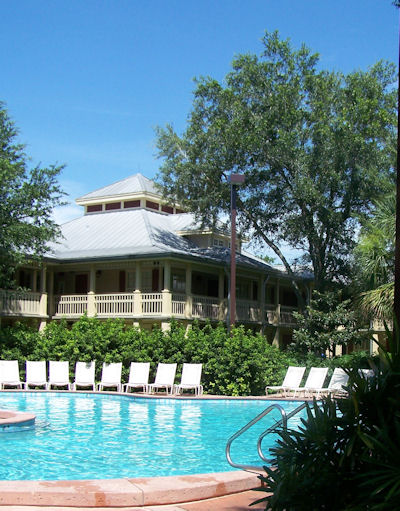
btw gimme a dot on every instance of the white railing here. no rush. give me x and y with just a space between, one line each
178 305
152 303
115 304
286 315
70 305
204 307
19 303
248 310
270 314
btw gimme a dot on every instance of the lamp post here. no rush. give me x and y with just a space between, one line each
235 180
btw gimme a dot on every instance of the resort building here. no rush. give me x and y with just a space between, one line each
132 256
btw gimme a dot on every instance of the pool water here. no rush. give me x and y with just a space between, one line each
92 436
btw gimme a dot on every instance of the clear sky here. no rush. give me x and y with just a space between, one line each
86 81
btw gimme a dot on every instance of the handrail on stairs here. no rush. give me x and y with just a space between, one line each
282 422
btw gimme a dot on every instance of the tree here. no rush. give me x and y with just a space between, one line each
315 148
328 322
27 198
374 260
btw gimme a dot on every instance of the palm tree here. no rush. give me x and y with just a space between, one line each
374 257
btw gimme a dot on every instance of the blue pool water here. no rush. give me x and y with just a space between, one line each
91 436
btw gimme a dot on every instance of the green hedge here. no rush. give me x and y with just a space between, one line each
239 364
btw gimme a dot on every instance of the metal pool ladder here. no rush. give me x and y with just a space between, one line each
282 422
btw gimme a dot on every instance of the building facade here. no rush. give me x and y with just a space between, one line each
133 256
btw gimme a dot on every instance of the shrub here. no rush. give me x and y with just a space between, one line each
242 363
345 455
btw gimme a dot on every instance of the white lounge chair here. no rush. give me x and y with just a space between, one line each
292 380
314 382
338 380
191 376
111 376
58 374
165 377
35 374
84 375
138 376
9 374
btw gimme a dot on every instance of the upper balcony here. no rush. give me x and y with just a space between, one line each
158 306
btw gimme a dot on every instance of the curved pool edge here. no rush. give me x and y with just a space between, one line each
137 492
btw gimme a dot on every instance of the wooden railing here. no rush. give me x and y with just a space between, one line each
70 305
178 305
106 305
286 315
19 303
115 304
152 303
204 307
247 310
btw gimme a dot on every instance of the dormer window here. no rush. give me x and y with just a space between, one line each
167 209
152 205
131 204
218 243
93 208
113 205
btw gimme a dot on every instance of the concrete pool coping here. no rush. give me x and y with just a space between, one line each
125 492
130 492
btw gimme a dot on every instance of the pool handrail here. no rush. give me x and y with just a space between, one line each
282 422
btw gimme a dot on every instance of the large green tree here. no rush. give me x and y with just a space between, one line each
315 148
27 198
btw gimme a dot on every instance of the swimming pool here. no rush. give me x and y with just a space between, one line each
104 436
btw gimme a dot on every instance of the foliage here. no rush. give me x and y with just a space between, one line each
345 455
315 148
27 198
239 364
328 322
374 260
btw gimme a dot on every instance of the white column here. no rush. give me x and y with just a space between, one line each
91 306
166 293
137 299
188 292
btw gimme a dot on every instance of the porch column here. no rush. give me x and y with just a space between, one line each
188 292
137 298
166 292
91 305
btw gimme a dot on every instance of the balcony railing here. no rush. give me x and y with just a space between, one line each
139 305
19 303
115 305
71 306
204 307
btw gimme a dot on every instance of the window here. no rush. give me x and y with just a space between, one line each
132 204
94 207
167 209
178 281
151 205
113 205
218 243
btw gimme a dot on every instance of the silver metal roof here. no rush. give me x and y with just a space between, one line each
135 233
132 184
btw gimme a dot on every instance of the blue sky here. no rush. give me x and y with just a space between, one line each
86 81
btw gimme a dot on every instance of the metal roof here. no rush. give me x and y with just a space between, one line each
136 233
133 184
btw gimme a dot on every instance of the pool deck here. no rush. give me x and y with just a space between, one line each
225 491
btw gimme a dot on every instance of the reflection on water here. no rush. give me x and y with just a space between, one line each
112 436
